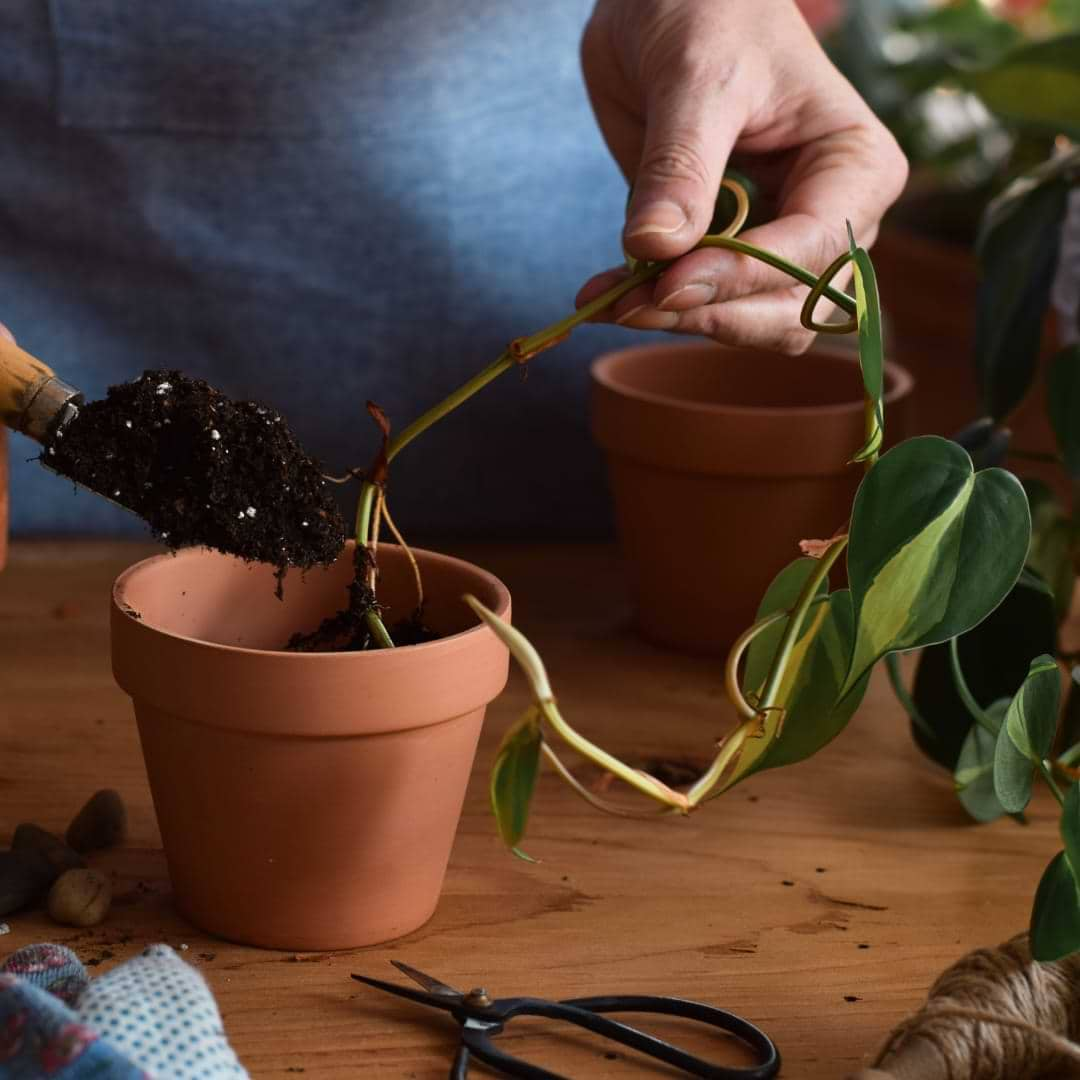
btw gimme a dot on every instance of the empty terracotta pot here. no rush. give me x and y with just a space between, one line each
721 460
306 801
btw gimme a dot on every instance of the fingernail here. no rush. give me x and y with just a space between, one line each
689 296
659 217
646 317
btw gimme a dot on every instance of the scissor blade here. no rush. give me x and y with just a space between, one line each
437 1001
428 982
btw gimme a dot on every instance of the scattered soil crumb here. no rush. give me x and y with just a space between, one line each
203 469
675 773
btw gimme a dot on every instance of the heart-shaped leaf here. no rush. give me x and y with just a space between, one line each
934 547
1055 915
1050 553
974 774
1063 405
1018 250
513 778
1035 86
994 657
1027 734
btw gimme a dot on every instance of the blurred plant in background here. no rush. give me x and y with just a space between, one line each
976 91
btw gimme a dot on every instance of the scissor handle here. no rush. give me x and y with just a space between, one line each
585 1013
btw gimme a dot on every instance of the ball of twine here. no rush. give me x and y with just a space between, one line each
996 1014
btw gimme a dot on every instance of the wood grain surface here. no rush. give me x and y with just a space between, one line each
818 901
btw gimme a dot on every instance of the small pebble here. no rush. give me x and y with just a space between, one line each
30 837
80 898
4 929
101 823
215 434
183 948
24 877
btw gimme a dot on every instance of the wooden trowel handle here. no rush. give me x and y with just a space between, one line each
31 396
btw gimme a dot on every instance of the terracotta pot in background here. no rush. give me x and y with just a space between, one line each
3 497
306 801
721 460
928 288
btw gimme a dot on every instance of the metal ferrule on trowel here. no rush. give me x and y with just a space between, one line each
33 400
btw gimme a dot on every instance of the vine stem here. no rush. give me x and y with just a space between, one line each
770 691
976 711
522 349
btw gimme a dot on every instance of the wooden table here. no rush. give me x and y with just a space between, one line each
819 901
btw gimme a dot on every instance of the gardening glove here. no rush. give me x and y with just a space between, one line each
150 1017
679 87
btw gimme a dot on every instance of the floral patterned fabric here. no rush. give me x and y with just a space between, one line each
151 1017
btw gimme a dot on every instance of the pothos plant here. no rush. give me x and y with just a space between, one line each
932 546
987 705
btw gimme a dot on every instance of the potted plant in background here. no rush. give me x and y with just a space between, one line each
976 93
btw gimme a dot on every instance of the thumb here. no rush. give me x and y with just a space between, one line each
689 133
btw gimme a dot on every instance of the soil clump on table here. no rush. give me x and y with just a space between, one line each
203 469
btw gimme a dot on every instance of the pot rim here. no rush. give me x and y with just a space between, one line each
147 565
603 375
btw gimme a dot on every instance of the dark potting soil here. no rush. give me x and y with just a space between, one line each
203 469
347 631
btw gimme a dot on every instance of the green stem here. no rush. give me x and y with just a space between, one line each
795 623
507 360
896 679
378 629
731 667
364 508
800 273
542 338
966 696
1044 769
644 783
712 776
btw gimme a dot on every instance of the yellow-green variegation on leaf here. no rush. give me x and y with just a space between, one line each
934 547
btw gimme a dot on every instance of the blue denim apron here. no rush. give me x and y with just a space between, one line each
315 202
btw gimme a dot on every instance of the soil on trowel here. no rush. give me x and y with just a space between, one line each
203 469
346 631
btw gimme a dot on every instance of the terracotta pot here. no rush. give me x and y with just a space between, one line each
927 291
721 461
928 288
306 801
3 497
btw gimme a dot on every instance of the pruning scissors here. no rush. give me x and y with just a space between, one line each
480 1018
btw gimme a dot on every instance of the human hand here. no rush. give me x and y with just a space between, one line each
679 87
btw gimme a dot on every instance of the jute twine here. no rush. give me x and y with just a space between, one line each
994 1015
